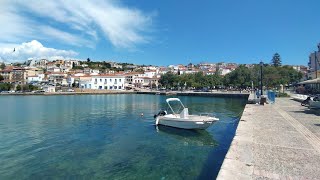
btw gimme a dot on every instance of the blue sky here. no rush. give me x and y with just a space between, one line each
162 32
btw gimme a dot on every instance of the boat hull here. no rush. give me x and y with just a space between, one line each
199 122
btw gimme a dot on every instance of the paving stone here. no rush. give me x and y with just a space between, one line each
275 141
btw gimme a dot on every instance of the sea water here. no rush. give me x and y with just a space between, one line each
110 137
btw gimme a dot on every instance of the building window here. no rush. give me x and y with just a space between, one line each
115 87
119 80
100 80
119 87
110 87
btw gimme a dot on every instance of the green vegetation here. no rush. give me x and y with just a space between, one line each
241 77
282 95
276 60
1 78
77 67
102 66
2 66
27 87
5 86
197 80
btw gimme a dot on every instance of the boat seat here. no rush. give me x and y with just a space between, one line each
184 113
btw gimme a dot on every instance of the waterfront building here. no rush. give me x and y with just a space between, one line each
35 78
149 82
19 75
7 74
314 64
55 78
130 78
49 88
105 81
78 79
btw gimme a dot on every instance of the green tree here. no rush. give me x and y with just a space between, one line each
88 60
107 65
276 60
5 86
240 77
1 78
18 88
169 80
2 66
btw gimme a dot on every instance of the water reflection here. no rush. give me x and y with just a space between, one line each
188 137
104 137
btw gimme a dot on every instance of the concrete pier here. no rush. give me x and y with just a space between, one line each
275 141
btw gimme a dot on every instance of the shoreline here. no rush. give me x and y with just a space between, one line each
168 93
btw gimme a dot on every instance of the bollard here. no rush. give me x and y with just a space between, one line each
263 100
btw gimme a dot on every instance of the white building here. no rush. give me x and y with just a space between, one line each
107 81
138 81
35 78
150 74
225 71
49 88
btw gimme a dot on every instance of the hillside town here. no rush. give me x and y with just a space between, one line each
64 75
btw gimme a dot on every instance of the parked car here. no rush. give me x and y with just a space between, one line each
70 90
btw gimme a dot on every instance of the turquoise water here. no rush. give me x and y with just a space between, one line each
104 137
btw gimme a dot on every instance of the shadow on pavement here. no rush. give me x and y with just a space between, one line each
309 111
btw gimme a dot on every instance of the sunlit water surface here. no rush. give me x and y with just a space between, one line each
105 137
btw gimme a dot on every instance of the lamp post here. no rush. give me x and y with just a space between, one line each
261 64
315 63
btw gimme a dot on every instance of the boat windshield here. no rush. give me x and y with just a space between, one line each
175 105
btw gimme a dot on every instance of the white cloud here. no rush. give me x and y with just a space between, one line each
79 23
33 49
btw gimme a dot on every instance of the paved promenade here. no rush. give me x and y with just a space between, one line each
275 141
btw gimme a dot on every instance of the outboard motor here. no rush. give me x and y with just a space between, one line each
306 101
161 113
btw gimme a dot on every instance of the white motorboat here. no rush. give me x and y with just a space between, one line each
183 119
299 97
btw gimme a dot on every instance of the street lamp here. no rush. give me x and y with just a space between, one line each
261 64
315 63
